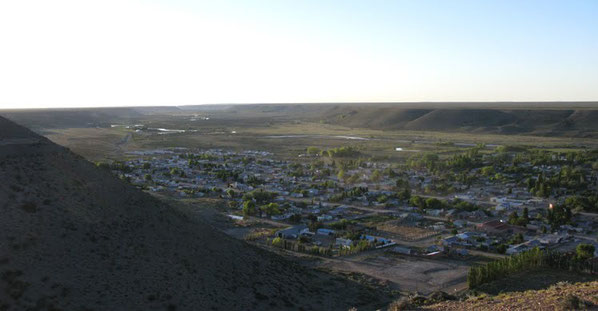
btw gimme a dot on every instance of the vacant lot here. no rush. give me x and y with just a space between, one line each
406 273
405 233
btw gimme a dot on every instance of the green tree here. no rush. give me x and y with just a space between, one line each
585 251
277 241
488 171
517 239
313 150
231 193
501 248
524 220
271 209
434 203
353 178
513 217
417 201
404 195
248 208
376 176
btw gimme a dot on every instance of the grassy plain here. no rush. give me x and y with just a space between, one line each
288 140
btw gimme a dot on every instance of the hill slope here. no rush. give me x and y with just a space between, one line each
75 238
558 297
565 122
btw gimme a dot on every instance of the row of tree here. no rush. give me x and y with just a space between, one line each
301 247
535 258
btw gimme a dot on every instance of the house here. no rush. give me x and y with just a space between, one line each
549 239
438 227
467 235
376 239
452 213
434 212
477 215
461 252
236 217
339 210
343 242
494 226
516 249
460 223
450 241
464 197
292 232
525 246
411 216
324 217
313 192
323 231
401 250
281 216
434 248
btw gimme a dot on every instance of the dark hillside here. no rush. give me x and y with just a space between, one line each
75 238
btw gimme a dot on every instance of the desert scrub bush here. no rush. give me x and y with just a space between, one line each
29 207
259 234
16 287
573 302
400 304
277 242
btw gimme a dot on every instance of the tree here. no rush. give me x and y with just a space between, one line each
558 215
313 150
341 174
525 217
147 177
271 209
404 195
353 178
585 251
417 201
103 165
517 239
248 208
231 193
295 218
513 218
277 242
434 203
400 183
376 176
501 248
488 171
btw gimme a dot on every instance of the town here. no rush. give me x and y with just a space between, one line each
485 201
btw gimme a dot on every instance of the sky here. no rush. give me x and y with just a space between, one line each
77 53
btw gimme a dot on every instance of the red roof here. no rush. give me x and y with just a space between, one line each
494 224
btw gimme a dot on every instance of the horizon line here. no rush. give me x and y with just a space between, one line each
593 102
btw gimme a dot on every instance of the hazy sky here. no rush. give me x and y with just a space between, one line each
120 52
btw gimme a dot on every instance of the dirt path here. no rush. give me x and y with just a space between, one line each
123 142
